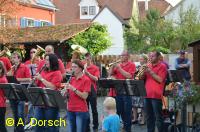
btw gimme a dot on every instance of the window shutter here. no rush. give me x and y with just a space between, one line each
37 23
23 23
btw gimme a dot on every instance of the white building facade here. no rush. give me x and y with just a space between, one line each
183 6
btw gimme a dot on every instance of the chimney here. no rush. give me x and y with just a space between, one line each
146 5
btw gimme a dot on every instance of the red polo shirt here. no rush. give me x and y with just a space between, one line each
2 96
76 103
128 67
6 63
94 70
155 89
22 71
55 77
61 66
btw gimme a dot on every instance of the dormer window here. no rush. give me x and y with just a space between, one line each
84 10
88 9
92 10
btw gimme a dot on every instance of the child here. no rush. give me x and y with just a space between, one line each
112 122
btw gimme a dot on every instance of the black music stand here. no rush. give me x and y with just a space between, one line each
12 79
175 76
15 91
125 87
46 97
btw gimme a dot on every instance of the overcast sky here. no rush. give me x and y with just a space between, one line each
173 2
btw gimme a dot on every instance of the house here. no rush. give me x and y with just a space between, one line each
115 14
31 13
182 6
145 5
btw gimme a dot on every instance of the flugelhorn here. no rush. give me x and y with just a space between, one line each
142 69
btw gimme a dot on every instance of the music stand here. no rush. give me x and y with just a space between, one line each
175 76
15 91
12 79
46 97
135 88
125 87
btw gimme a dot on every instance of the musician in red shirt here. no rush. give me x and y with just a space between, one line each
32 63
6 63
49 49
22 74
50 77
2 98
78 89
92 71
155 76
124 70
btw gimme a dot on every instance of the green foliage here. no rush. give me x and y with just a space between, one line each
96 39
165 35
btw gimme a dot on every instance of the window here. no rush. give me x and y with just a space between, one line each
2 20
92 10
44 23
30 23
84 10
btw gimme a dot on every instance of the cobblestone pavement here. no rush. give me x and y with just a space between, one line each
135 128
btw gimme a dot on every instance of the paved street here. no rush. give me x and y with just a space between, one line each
135 128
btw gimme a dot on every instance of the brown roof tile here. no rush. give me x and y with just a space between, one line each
160 5
68 10
58 33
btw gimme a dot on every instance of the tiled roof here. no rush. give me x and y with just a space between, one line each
58 33
40 3
161 5
69 12
121 7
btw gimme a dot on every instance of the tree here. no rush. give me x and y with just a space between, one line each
8 7
154 32
165 35
96 39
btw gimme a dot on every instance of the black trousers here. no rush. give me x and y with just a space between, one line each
2 119
92 101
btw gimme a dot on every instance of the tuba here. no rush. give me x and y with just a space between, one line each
5 52
40 51
79 49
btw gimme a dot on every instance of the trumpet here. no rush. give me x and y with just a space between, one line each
113 63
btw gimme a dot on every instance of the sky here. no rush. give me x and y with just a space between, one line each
173 2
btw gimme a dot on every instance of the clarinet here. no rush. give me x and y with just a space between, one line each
63 91
33 80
